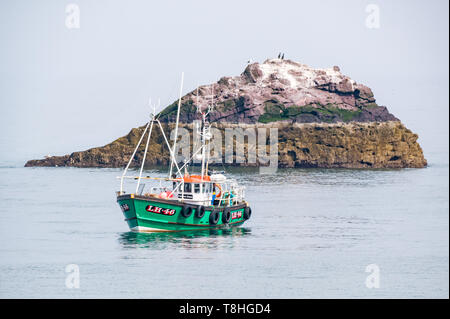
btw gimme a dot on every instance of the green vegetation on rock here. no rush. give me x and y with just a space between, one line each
227 105
276 111
186 107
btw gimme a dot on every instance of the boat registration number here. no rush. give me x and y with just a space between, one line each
236 215
160 210
124 207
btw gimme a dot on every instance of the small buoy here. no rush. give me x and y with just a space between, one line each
165 195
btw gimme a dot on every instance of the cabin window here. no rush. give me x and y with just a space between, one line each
196 188
187 188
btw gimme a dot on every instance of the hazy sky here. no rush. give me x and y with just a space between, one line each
63 90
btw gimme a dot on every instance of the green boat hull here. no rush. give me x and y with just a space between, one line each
144 214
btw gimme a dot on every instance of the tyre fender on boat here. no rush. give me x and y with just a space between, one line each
200 211
247 212
214 217
186 211
226 215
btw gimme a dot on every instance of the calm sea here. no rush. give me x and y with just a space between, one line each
313 234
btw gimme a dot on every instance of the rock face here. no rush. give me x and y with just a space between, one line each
349 145
283 90
324 119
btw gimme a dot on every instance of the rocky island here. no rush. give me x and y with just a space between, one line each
324 119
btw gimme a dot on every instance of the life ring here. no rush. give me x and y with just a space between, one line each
226 216
200 211
218 195
214 217
186 211
247 212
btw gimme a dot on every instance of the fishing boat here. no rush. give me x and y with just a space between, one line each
186 202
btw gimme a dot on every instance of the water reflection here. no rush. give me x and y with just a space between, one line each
206 239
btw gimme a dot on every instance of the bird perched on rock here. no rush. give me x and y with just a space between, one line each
282 57
279 55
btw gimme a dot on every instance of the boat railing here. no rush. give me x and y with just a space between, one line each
230 194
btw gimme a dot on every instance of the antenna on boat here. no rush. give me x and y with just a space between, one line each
198 104
206 135
154 107
176 127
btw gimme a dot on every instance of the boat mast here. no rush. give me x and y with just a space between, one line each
146 148
203 144
176 128
208 151
204 132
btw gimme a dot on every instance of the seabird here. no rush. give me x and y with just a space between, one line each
279 54
282 57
